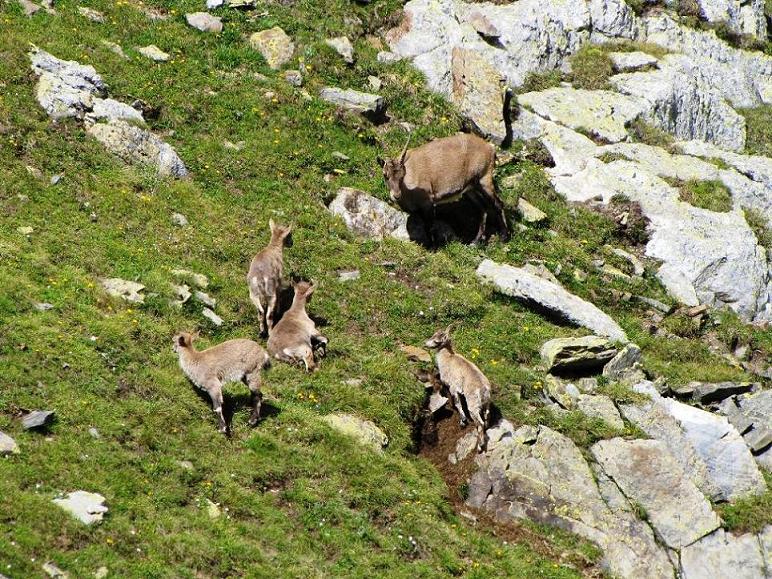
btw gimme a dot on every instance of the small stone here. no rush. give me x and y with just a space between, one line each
212 317
85 506
464 447
367 216
529 213
38 419
638 268
91 14
562 392
124 289
204 22
436 401
656 304
94 433
53 571
212 4
185 464
25 230
631 61
625 359
348 275
243 4
29 8
8 445
293 77
340 156
364 103
600 407
483 26
233 146
198 279
577 354
101 573
179 220
154 53
416 354
375 83
275 46
342 46
354 382
212 509
386 57
182 292
205 299
580 275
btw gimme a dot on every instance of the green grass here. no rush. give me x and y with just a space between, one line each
749 515
760 226
539 81
299 497
711 195
758 127
591 68
644 132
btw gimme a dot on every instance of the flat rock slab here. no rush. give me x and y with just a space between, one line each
623 361
7 445
124 289
539 474
631 61
204 22
602 407
604 114
38 419
529 213
710 392
371 105
722 554
576 354
91 14
212 317
523 285
275 45
85 506
648 475
364 431
690 433
198 279
367 216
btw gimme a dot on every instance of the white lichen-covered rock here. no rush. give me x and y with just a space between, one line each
113 110
354 100
602 407
723 554
738 75
524 285
367 216
85 506
7 445
364 431
707 257
649 476
534 472
342 45
575 354
604 114
124 289
695 438
681 102
478 92
204 22
750 414
659 161
136 145
740 16
275 45
154 53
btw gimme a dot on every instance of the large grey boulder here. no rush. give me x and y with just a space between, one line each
367 216
524 285
577 354
681 102
536 473
136 145
87 507
722 554
707 257
649 476
695 438
740 16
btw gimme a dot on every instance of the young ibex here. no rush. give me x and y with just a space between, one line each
464 380
441 171
231 361
295 337
265 274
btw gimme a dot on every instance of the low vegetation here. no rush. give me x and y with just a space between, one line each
590 68
710 195
758 128
642 131
749 515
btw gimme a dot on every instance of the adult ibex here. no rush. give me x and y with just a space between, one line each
440 172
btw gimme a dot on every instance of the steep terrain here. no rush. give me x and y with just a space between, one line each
652 199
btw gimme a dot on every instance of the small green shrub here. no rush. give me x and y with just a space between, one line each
758 129
751 514
710 195
643 132
758 223
591 68
538 81
683 325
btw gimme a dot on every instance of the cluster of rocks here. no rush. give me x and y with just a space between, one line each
69 89
706 257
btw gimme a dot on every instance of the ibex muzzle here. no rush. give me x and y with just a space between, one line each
440 172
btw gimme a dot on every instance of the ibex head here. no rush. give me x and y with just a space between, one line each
440 339
184 340
394 172
280 234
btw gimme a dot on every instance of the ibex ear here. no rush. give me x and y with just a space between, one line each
311 288
380 161
271 224
181 341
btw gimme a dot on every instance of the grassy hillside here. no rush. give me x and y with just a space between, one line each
296 497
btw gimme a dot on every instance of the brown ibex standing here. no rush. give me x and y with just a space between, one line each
466 383
440 172
265 274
